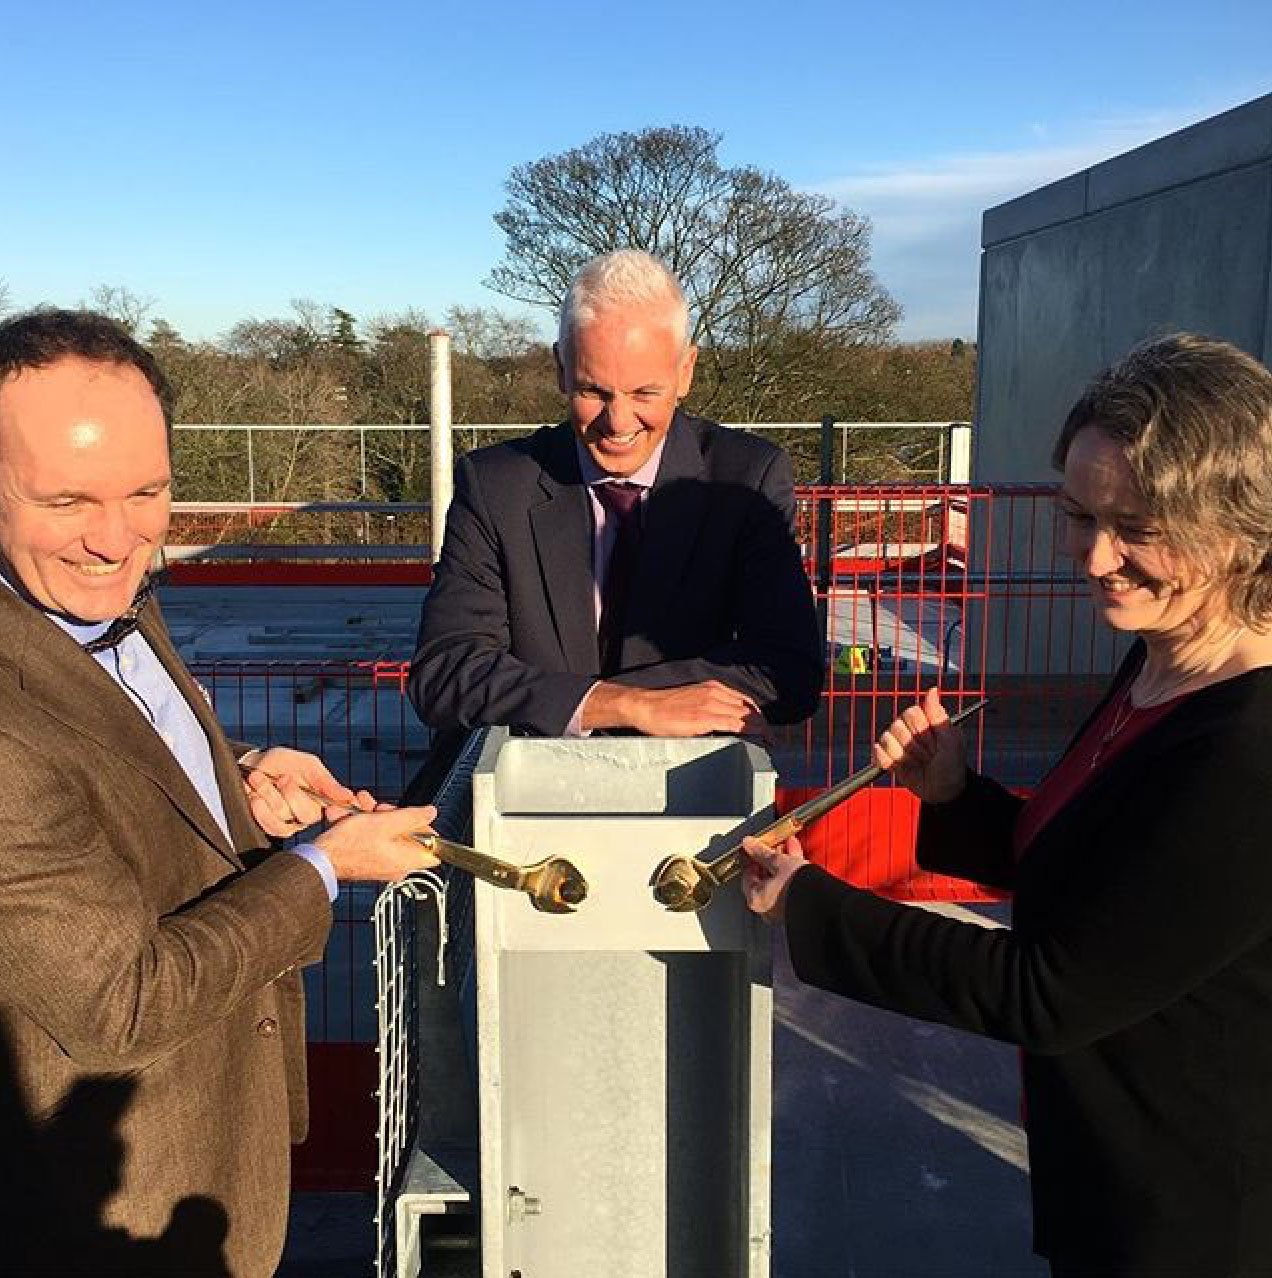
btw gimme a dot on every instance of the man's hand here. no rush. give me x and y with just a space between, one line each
276 788
377 846
693 710
768 874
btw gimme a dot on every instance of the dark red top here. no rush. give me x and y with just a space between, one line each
1106 736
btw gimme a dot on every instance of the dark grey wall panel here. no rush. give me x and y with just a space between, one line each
1234 140
1056 202
1174 235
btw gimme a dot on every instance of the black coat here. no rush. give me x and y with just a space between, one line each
508 629
1137 977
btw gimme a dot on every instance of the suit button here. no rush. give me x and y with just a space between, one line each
267 1028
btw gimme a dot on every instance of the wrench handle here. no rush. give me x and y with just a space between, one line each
730 865
733 862
481 866
489 869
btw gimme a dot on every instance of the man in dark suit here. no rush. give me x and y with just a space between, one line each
151 1016
631 568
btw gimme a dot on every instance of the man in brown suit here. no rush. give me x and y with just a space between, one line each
151 1019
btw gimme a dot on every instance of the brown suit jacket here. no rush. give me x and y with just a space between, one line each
151 1013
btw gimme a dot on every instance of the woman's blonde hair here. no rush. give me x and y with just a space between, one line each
1194 418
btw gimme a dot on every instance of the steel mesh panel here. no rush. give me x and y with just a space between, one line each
399 968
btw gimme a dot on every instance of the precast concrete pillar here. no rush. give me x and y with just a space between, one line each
624 1052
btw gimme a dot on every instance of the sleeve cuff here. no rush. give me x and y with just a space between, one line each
318 859
575 726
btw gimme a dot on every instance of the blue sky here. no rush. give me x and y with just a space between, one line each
224 159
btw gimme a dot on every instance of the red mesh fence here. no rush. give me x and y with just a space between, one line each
964 588
313 526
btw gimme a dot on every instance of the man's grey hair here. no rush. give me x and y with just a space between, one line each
626 277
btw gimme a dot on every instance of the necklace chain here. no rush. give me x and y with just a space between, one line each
1121 717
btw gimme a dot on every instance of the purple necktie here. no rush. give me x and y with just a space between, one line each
623 512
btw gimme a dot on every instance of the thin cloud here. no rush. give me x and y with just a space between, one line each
926 217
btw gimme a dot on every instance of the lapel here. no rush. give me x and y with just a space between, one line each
72 688
674 515
561 524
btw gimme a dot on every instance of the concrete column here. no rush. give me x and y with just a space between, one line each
623 1052
441 453
960 453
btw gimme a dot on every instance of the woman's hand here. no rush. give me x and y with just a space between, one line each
768 874
923 752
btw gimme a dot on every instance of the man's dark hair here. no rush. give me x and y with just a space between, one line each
42 336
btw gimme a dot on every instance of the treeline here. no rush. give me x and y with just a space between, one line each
322 366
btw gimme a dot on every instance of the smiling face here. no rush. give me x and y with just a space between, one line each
85 484
1139 584
624 371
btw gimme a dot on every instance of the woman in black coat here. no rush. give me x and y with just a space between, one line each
1137 973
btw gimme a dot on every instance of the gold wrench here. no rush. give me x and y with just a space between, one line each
686 883
554 885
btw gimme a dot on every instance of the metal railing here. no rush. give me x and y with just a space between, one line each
273 530
931 452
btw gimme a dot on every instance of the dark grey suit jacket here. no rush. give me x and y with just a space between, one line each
508 631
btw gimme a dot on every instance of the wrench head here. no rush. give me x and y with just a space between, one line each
680 886
559 887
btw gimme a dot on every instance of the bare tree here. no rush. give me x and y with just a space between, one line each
396 382
282 342
121 304
489 334
5 298
776 277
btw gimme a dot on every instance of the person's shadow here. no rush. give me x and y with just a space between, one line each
57 1176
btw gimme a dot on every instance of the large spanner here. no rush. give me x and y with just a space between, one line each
554 885
686 883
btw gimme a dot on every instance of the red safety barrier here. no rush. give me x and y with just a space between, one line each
293 573
340 1152
964 588
869 842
